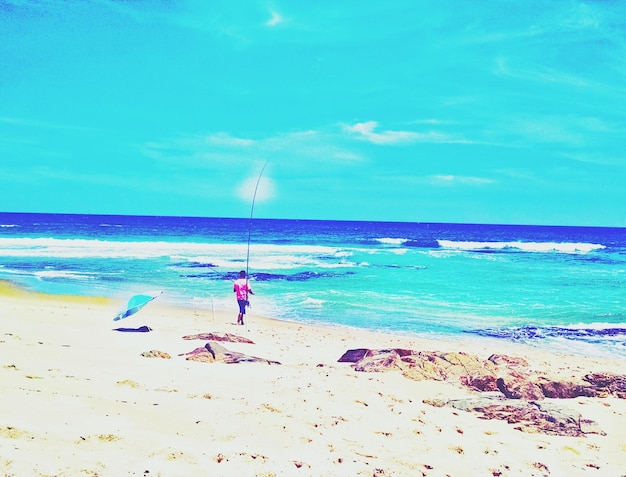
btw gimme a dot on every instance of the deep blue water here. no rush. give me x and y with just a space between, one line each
553 286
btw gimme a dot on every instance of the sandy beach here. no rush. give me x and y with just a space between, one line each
79 398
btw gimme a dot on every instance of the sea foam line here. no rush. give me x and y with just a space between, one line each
543 247
90 248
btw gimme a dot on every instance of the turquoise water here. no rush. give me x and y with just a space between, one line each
556 286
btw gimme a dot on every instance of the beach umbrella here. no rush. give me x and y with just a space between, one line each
135 303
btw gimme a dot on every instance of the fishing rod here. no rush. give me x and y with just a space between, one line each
256 188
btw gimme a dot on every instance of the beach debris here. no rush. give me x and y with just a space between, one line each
219 337
10 432
155 353
141 329
510 375
213 352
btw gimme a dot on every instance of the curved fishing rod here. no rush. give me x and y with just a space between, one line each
256 188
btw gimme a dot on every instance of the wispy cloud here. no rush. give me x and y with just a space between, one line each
225 139
198 149
276 19
450 180
568 130
538 74
599 157
222 147
367 132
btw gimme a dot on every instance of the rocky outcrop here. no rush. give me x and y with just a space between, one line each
527 416
461 367
213 352
219 337
509 375
609 383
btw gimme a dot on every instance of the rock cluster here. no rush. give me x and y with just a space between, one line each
519 391
527 416
213 352
509 375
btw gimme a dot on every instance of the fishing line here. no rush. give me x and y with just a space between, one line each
256 188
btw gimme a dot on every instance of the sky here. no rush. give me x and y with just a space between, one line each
473 111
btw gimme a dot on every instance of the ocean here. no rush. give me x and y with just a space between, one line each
557 287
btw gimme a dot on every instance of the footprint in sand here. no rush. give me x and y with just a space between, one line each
10 432
128 382
99 438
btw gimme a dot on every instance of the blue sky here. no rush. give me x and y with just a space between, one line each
429 111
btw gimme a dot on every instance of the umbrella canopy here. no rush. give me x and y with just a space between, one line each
135 303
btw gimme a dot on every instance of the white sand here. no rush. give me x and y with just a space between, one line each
78 399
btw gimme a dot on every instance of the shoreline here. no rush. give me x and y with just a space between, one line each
84 401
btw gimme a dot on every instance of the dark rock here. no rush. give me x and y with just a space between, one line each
353 355
614 384
483 383
565 390
518 386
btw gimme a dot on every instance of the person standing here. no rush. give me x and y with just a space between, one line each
241 289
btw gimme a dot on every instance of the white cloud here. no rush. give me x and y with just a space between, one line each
274 20
449 179
366 132
225 139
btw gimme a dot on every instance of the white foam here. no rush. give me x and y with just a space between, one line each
87 248
595 326
560 247
64 274
312 302
266 256
392 241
